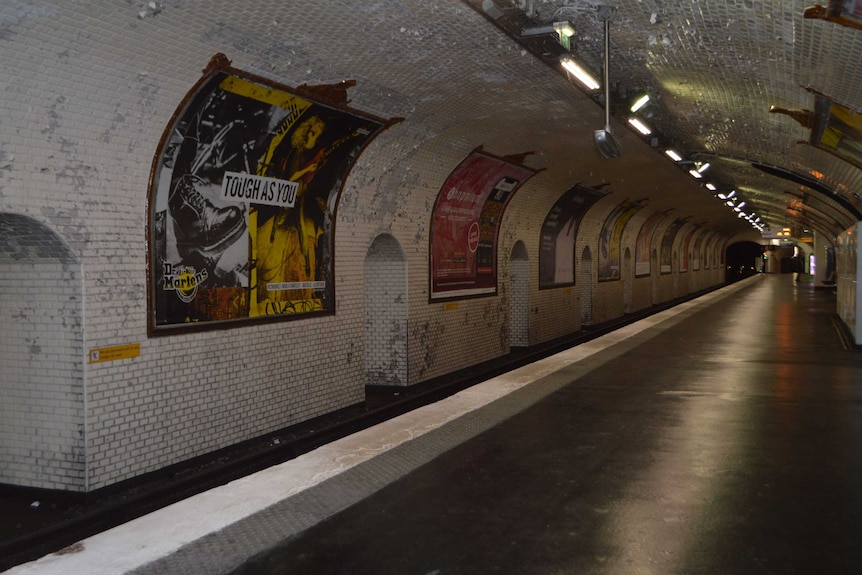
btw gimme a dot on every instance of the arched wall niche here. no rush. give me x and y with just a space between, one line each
385 313
42 391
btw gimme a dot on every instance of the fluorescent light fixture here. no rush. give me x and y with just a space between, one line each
710 187
673 155
703 168
580 73
741 204
695 174
731 194
640 103
640 126
730 203
564 28
722 196
738 209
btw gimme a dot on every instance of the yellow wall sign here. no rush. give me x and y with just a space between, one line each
450 306
103 354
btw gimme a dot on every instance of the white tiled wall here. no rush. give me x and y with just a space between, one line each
86 90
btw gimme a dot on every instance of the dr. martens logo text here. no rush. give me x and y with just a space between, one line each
184 280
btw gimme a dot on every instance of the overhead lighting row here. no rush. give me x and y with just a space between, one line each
588 81
697 172
733 201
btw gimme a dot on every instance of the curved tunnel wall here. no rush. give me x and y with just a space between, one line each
93 85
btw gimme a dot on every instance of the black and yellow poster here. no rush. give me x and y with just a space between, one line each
242 203
611 238
838 130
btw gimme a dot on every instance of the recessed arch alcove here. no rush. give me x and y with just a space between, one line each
42 435
519 302
586 287
385 313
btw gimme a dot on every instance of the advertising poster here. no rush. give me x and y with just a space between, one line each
711 250
846 267
557 246
465 222
611 239
643 245
719 253
666 252
710 258
844 12
837 129
697 252
686 247
852 8
242 202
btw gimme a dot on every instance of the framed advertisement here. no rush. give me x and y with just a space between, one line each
465 222
835 128
685 249
666 250
243 193
559 231
697 252
643 244
844 12
611 237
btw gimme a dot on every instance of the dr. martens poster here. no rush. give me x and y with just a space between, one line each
243 197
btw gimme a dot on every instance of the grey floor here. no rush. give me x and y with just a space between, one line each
727 440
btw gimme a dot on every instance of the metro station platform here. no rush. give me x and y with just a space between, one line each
721 436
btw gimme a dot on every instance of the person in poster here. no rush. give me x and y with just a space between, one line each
290 243
287 241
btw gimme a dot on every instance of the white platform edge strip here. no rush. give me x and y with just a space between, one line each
158 534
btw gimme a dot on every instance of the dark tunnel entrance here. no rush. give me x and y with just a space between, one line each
744 259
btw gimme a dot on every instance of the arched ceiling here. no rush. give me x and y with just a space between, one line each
713 71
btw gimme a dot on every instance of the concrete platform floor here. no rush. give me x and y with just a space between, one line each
722 436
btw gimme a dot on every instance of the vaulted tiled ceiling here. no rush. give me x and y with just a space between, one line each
713 70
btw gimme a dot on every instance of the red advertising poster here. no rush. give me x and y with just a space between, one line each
465 222
242 201
611 238
643 245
